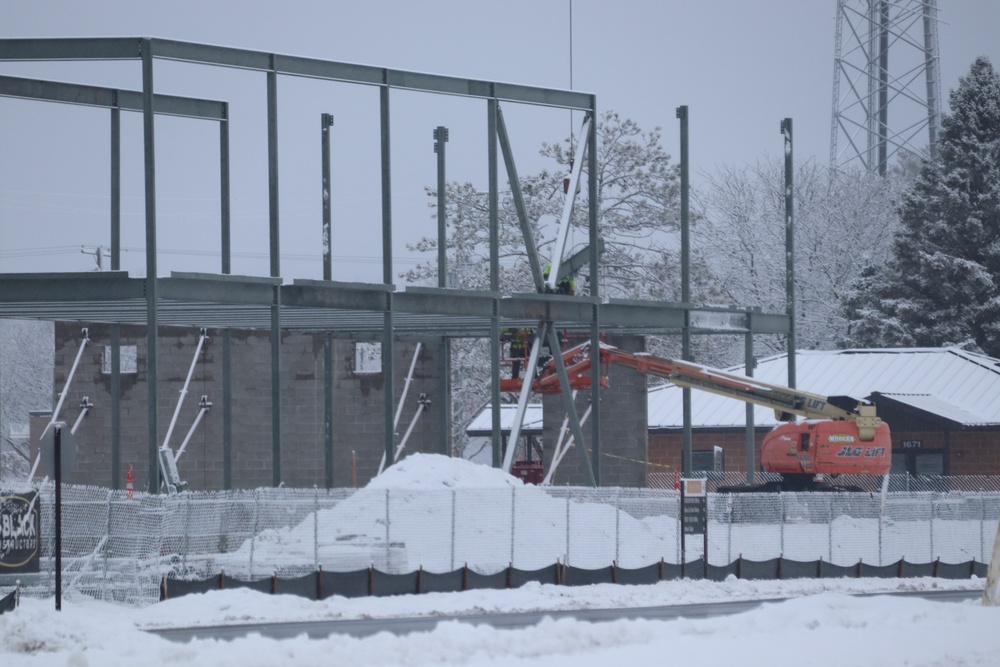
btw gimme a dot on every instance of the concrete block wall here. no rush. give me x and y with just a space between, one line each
358 407
624 426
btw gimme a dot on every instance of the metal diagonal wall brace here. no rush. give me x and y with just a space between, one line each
518 199
546 284
522 399
570 407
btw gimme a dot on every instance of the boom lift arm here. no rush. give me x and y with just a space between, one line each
787 403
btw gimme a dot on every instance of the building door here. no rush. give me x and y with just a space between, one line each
919 463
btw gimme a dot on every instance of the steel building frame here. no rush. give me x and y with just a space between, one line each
340 309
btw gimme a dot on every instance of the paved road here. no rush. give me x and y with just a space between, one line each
401 626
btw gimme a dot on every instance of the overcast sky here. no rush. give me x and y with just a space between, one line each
740 67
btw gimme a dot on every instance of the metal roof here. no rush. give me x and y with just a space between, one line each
951 383
938 407
482 425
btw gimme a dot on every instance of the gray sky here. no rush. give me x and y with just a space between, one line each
740 66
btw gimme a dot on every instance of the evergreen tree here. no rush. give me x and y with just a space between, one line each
941 286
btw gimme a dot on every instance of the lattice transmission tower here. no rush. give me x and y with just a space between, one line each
886 82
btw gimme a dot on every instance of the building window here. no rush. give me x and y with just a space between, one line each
708 460
127 355
367 358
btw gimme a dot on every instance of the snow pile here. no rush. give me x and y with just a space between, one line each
439 513
433 471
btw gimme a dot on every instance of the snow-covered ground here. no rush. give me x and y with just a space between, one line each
821 625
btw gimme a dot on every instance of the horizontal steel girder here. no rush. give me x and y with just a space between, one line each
346 309
125 48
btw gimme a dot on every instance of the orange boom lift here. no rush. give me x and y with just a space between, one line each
840 434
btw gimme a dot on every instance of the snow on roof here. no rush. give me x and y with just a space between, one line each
482 424
958 385
940 407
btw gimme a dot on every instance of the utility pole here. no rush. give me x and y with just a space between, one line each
97 252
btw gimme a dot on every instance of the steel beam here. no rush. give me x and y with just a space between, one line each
109 98
87 48
73 48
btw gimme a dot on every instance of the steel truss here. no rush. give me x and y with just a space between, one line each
867 83
344 310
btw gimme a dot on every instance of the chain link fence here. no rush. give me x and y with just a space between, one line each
870 483
117 548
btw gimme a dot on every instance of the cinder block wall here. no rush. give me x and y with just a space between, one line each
358 407
624 426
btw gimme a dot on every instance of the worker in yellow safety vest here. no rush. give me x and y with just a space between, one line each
565 286
518 348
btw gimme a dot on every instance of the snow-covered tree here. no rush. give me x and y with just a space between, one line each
26 357
638 195
639 221
941 285
844 220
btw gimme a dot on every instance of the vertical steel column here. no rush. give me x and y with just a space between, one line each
786 130
388 366
227 359
224 193
326 122
440 141
116 249
494 234
682 114
751 440
595 293
272 182
444 367
152 323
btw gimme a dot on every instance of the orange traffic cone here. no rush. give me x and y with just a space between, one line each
128 483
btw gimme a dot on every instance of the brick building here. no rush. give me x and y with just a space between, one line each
942 406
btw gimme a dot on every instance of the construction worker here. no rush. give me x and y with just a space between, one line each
565 286
518 349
